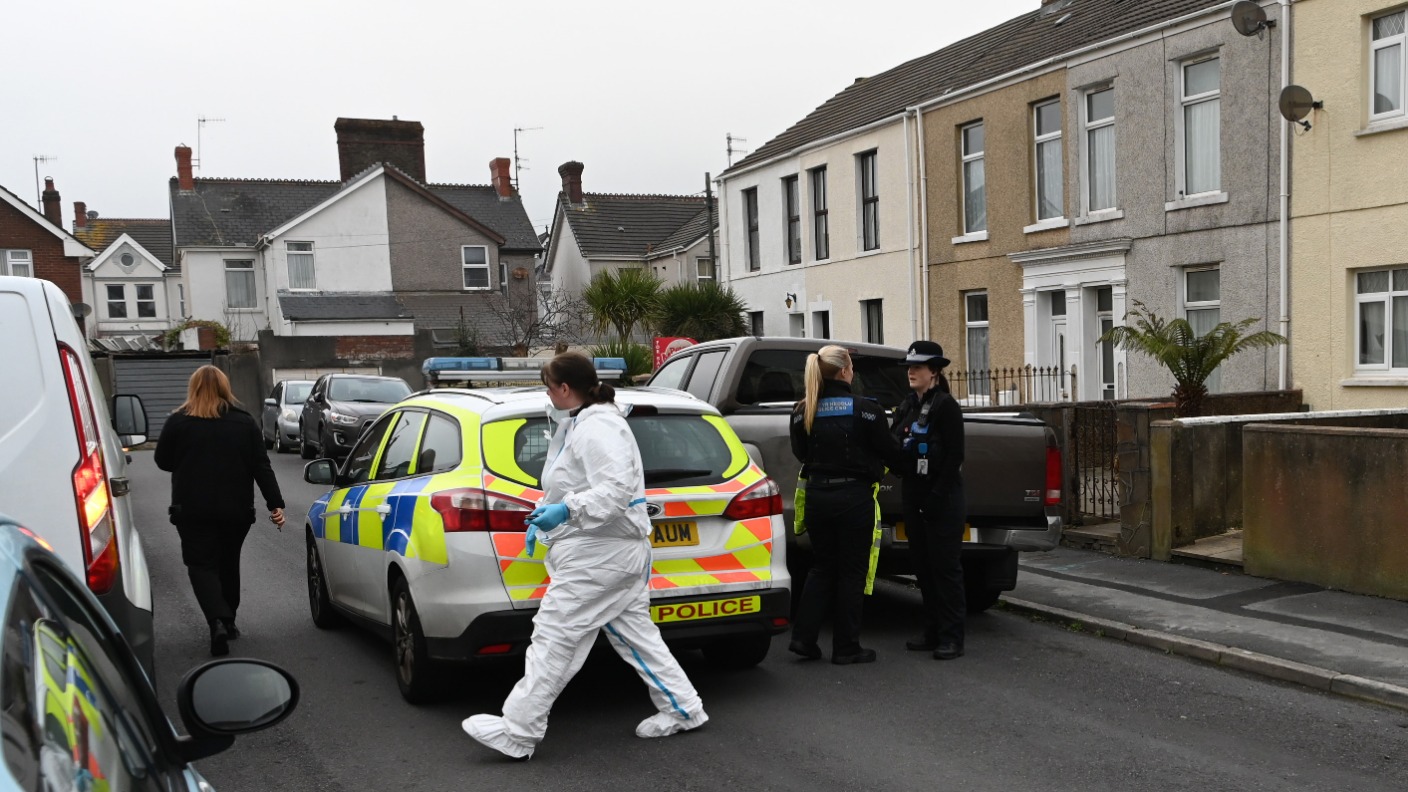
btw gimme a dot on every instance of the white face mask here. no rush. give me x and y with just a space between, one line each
556 416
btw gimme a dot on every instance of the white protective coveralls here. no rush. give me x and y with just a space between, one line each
599 565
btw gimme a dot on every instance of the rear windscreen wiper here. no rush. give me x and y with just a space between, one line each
658 475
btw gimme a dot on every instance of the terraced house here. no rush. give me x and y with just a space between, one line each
1042 175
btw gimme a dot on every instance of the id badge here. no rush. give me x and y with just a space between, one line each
922 467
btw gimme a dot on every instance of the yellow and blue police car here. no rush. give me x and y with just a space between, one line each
422 536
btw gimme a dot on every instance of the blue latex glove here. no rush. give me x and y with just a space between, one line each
548 516
532 542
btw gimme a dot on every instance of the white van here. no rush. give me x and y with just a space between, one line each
63 469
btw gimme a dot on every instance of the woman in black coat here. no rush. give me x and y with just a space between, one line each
215 454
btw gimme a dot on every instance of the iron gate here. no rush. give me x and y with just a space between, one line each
1093 464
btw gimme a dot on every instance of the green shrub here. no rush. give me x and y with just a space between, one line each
704 312
639 358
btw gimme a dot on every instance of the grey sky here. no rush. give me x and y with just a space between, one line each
641 92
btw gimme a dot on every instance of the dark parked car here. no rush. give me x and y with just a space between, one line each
340 407
80 713
281 413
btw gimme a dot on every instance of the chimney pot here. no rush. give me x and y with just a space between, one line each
185 178
500 170
52 208
571 173
80 215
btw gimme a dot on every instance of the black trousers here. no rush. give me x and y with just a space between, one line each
841 523
211 552
935 550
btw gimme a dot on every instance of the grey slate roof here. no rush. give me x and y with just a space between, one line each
341 305
1050 31
482 202
689 233
154 235
237 211
628 225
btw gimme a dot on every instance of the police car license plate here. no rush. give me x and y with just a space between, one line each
712 609
675 534
902 536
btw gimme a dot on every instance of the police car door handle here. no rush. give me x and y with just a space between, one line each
345 510
383 509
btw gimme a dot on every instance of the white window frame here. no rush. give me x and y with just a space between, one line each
18 258
181 298
137 299
703 268
1088 127
821 324
466 267
109 302
1105 321
503 277
1038 140
1401 41
1384 298
965 158
240 267
1214 380
792 218
979 383
821 214
752 234
1184 102
299 250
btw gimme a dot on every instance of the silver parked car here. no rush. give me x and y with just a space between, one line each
281 411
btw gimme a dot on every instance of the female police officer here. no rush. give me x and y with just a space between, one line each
842 443
929 425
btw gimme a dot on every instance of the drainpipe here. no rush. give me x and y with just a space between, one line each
1283 255
909 229
923 227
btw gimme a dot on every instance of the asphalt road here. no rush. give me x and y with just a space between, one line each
1031 707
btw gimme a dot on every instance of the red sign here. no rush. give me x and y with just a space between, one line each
669 345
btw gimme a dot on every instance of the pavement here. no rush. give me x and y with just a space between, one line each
1347 644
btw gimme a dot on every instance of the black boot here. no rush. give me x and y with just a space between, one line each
230 629
219 639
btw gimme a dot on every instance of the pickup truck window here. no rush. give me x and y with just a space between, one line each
671 375
775 375
705 372
675 450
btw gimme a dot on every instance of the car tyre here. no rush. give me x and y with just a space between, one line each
416 674
325 444
978 598
304 450
738 651
325 617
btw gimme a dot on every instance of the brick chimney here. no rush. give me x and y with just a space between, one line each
364 142
571 173
500 173
80 215
186 181
51 203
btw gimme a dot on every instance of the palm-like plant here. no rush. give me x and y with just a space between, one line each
703 312
1190 357
621 300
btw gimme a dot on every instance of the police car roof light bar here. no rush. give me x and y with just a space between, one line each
505 369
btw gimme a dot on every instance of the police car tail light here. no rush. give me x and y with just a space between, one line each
763 499
1053 476
90 482
473 509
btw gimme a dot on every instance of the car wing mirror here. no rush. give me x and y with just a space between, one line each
271 403
320 471
225 698
129 419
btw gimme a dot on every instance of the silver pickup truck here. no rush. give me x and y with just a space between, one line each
1011 471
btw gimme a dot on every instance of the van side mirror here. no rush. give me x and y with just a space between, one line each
225 698
129 419
270 403
319 471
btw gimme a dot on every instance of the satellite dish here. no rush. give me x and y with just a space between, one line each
1296 103
1249 18
81 310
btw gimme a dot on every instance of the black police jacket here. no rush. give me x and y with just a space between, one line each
944 441
849 437
215 464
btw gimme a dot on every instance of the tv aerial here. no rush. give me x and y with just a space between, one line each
1250 19
1296 103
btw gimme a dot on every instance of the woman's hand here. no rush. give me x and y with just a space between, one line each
277 518
548 516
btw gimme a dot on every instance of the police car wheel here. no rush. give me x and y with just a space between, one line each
415 673
325 617
739 651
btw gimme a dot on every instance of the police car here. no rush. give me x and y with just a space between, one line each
422 537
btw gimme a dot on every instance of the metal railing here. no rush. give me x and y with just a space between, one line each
1012 386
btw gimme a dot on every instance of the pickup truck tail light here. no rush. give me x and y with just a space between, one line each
1053 476
763 499
90 482
473 509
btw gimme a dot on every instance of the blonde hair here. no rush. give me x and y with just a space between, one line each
825 363
208 394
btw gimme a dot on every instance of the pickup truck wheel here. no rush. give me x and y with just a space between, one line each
979 599
739 651
319 603
416 674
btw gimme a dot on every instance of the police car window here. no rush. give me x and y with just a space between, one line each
400 449
680 450
530 447
701 381
671 375
442 446
359 463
